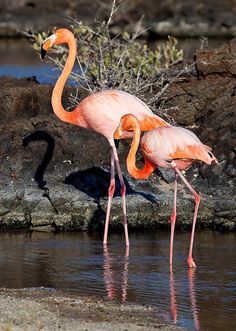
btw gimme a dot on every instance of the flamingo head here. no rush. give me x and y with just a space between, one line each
128 122
60 36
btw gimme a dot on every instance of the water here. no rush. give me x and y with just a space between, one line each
199 300
44 74
19 59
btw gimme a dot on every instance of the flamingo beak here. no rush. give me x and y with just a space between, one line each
47 43
118 133
43 52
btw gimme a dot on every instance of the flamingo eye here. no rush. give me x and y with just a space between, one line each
210 154
128 127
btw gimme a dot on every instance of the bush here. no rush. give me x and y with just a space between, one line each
121 62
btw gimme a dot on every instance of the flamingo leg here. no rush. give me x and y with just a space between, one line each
111 191
191 263
172 220
123 194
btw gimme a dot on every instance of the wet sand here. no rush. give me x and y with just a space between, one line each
52 310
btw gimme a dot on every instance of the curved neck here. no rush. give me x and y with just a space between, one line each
131 159
59 86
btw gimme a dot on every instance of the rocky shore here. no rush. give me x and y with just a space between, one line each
54 176
207 18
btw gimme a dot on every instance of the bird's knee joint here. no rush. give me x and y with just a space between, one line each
111 189
197 197
123 190
173 218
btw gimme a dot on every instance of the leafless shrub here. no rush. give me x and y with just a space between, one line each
121 62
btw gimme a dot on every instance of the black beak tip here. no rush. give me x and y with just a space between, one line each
43 53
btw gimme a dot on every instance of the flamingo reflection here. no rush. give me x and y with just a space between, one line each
109 275
173 303
192 295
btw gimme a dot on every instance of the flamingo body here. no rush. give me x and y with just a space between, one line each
162 145
167 147
100 112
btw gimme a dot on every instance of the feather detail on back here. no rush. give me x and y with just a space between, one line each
102 112
194 152
169 143
150 123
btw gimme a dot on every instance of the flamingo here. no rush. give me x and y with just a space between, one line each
169 147
100 112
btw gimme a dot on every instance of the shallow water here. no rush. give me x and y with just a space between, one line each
204 299
199 300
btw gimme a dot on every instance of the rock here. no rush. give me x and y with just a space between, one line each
180 18
41 218
43 228
14 220
57 175
217 62
207 106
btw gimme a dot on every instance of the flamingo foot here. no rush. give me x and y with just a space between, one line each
191 263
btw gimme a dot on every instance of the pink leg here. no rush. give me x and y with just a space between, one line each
172 219
123 193
191 263
111 191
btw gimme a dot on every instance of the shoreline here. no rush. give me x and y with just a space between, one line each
21 309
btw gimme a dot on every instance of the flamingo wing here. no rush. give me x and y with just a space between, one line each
102 112
164 144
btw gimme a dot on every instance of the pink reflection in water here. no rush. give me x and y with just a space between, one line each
192 295
109 275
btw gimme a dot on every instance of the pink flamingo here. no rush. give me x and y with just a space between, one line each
100 112
169 147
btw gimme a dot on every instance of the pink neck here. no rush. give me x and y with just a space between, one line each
131 159
59 86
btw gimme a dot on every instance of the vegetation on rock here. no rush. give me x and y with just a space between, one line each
122 61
